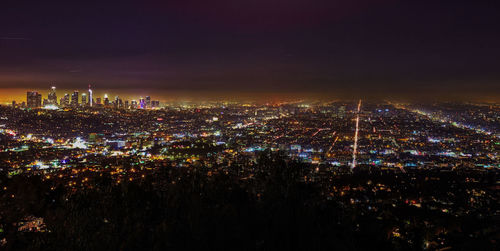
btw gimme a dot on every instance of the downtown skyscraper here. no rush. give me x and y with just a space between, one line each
74 99
33 99
52 97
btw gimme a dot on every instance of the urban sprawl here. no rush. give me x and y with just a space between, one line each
408 175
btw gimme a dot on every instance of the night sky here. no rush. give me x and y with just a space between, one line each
354 47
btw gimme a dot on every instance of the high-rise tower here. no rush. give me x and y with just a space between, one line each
91 101
84 99
33 99
142 103
74 99
106 100
52 98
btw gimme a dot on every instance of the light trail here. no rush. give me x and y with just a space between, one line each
355 150
333 144
319 130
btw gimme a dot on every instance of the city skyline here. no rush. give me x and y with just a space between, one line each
19 95
7 95
35 99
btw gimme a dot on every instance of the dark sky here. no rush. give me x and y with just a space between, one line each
353 46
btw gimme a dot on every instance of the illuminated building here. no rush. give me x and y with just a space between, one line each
84 99
116 144
65 100
98 101
115 103
52 98
91 100
33 99
148 102
74 99
119 103
106 100
142 103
